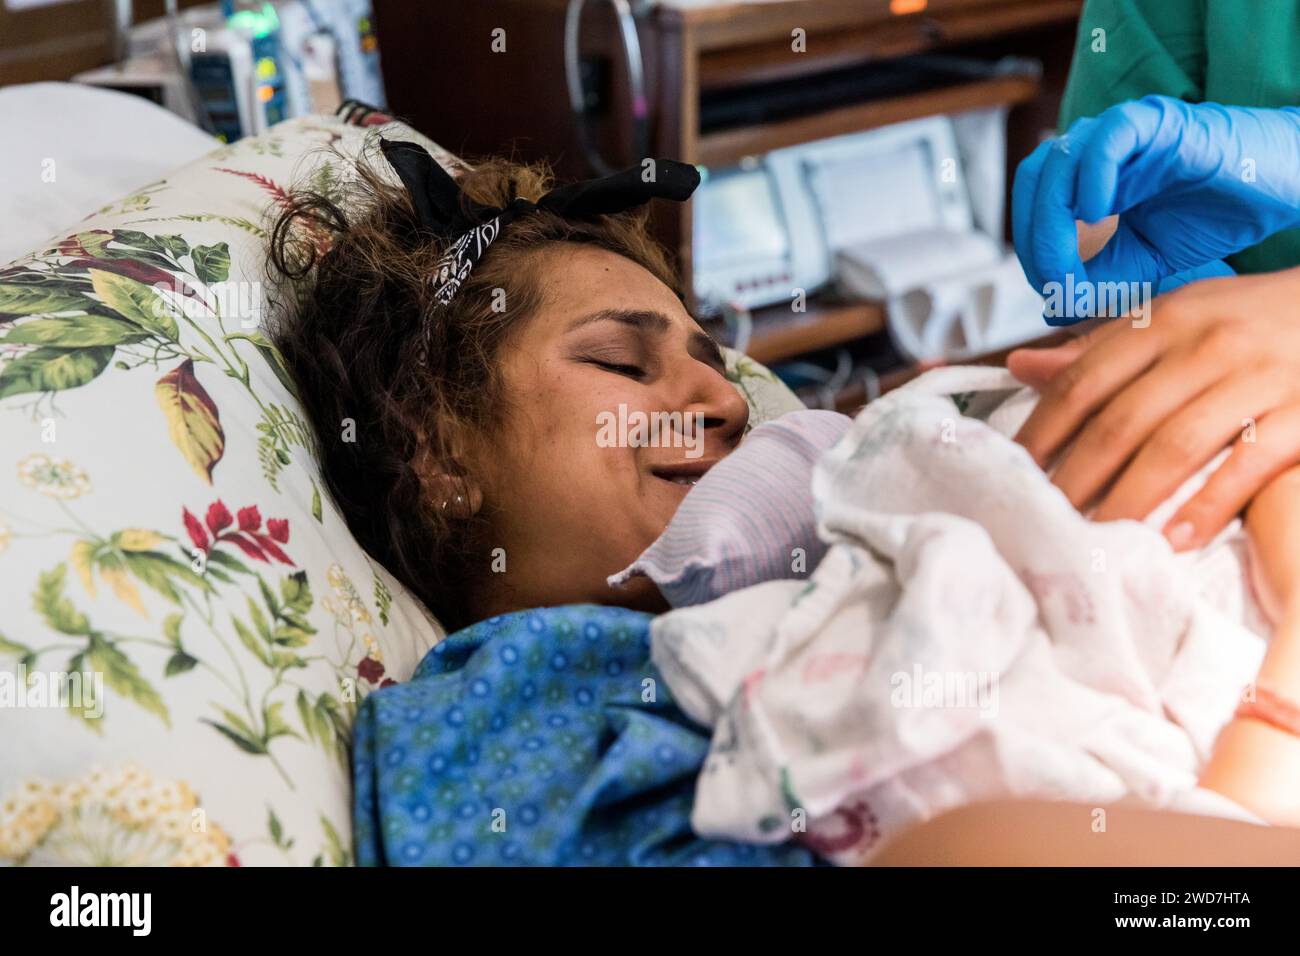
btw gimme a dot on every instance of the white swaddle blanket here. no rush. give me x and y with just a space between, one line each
969 635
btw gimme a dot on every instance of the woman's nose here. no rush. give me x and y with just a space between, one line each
724 410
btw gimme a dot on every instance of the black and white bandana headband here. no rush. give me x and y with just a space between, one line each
472 228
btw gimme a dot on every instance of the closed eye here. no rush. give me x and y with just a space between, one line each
631 371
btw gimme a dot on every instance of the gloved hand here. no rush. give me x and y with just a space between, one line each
1191 182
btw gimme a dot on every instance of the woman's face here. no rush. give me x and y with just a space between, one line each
573 486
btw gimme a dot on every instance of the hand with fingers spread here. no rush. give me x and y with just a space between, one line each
1191 182
1145 408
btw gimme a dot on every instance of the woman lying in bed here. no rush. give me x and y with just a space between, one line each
456 354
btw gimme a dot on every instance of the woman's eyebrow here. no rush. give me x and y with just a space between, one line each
643 320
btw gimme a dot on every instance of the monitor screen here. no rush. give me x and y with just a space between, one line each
876 193
737 220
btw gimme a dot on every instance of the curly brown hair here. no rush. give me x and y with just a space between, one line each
377 361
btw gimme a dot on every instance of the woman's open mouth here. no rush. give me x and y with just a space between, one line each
685 473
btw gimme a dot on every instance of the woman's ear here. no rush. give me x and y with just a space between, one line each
451 490
455 496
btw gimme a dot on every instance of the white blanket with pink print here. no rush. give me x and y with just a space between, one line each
968 636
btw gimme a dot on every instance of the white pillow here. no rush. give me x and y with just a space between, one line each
69 148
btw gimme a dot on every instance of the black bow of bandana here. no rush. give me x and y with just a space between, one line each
472 228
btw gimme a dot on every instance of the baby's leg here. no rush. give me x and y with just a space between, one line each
1273 522
1256 760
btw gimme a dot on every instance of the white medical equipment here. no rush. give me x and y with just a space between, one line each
236 69
222 69
905 215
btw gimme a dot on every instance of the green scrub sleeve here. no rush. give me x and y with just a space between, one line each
1235 52
1129 48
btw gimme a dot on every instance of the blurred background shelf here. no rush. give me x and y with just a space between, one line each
780 334
735 47
731 145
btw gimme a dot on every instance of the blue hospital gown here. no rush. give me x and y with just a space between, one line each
536 738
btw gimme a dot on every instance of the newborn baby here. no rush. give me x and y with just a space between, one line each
749 519
963 633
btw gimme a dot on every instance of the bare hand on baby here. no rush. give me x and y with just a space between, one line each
1147 407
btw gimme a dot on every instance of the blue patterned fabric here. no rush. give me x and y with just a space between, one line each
543 737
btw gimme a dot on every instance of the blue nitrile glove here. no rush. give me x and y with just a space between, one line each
1209 270
1192 182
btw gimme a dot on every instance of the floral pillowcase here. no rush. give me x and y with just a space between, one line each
186 625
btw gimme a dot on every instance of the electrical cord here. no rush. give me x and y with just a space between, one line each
623 10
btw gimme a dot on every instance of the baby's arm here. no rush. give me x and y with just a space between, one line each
1255 762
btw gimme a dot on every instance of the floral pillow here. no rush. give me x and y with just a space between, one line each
186 624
